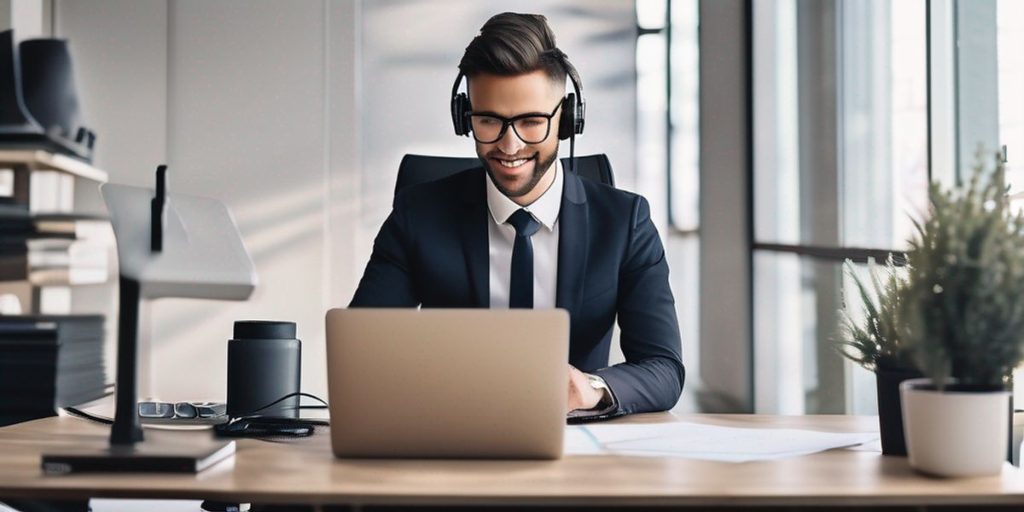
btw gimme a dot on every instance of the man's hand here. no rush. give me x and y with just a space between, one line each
581 394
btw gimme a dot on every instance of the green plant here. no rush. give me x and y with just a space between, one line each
874 342
962 309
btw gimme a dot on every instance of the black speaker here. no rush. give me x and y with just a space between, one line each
264 367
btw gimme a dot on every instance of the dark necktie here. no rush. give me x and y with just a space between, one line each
520 293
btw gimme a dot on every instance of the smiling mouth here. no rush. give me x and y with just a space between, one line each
512 164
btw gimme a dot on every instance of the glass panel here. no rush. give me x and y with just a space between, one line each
684 110
1010 34
777 207
881 117
976 83
652 130
883 121
796 320
650 14
683 253
781 326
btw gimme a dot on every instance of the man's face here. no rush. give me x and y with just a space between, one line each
515 166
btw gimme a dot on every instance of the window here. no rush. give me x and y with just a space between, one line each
857 104
840 165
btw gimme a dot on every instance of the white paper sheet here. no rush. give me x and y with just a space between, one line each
708 442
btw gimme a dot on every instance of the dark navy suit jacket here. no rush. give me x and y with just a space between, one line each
433 251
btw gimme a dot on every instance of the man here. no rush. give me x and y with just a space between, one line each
523 232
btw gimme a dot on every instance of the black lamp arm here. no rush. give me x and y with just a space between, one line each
157 208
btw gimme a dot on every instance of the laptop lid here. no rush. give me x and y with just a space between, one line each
448 383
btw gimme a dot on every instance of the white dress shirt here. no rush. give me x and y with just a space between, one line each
501 237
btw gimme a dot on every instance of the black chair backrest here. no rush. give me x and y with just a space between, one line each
416 169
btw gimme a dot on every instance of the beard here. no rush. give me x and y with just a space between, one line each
542 164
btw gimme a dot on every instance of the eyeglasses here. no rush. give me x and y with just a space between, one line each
531 128
181 410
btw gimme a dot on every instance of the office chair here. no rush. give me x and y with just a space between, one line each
416 169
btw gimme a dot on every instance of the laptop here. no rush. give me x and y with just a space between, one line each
448 383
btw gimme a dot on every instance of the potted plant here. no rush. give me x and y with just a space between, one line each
962 315
874 343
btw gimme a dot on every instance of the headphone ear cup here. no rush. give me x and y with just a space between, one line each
580 116
460 114
567 122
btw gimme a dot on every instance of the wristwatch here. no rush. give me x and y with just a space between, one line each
606 398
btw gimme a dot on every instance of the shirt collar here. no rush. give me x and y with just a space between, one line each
544 209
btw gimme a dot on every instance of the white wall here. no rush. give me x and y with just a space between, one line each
5 14
296 115
119 49
27 18
232 95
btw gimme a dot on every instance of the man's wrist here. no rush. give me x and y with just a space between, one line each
605 405
607 399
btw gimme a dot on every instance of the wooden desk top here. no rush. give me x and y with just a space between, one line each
305 471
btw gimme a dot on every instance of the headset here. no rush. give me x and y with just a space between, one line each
574 108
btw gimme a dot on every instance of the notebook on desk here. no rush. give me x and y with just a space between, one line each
447 383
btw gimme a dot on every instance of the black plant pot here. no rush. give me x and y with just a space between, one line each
890 412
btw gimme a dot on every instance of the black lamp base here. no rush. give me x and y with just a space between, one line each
162 452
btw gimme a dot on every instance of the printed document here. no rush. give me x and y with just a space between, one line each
700 441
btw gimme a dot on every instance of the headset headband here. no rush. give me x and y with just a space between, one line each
562 59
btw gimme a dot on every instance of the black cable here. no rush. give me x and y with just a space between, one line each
290 395
91 417
572 152
267 428
256 426
264 427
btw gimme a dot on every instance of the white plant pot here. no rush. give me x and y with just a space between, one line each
953 433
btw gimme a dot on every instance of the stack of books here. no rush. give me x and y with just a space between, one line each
68 250
48 362
43 255
53 249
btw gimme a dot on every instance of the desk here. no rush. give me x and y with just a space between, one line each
305 472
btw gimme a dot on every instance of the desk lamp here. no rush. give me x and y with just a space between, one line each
168 245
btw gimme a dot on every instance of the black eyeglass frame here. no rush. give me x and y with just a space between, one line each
508 121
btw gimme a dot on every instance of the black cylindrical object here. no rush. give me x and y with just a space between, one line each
890 409
264 365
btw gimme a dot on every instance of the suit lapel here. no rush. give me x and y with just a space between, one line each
572 244
474 237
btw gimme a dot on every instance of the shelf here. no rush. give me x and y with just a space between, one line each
36 159
47 203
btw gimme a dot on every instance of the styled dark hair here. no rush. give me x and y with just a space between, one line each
512 44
